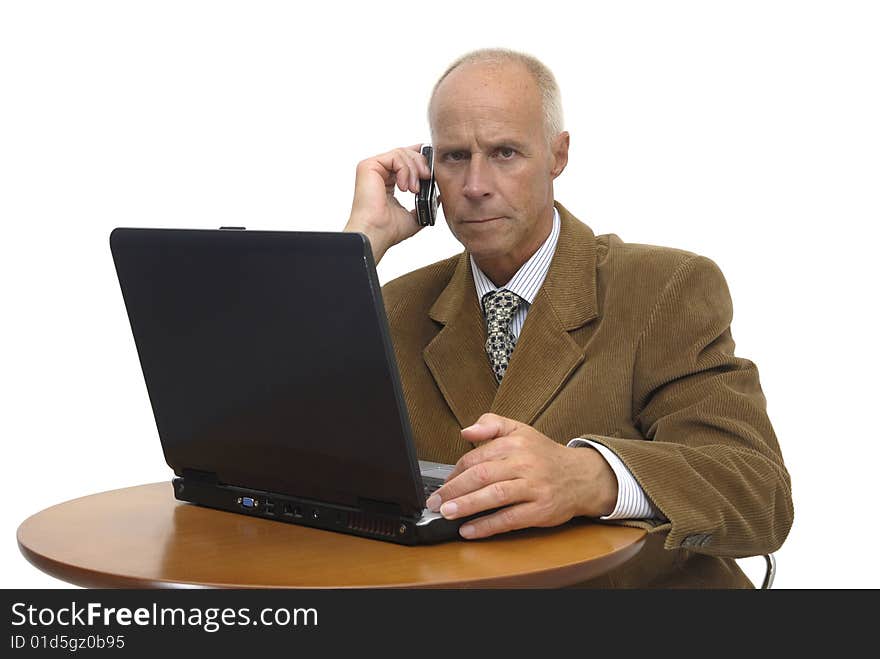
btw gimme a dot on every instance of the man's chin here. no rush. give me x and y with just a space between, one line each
485 250
481 232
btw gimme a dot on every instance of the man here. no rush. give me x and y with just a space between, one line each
567 374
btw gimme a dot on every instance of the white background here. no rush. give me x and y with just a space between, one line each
744 131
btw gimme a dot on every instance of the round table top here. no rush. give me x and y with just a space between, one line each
142 537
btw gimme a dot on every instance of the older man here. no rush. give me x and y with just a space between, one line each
567 374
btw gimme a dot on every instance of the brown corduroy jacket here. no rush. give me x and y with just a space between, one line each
628 345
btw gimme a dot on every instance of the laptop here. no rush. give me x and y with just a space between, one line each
273 381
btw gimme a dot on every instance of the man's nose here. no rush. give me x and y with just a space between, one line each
478 179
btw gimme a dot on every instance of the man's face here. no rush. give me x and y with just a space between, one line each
492 162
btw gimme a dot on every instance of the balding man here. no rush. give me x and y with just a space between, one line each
567 374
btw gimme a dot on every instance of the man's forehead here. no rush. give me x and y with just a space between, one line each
494 99
486 85
489 75
486 123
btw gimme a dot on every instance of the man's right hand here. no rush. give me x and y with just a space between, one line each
374 211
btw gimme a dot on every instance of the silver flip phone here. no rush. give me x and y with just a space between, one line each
427 199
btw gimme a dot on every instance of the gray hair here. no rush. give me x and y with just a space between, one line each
551 99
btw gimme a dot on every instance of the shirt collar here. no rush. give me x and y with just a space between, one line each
528 279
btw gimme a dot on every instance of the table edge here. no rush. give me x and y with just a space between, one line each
554 577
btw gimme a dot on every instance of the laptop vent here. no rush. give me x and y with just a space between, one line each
372 525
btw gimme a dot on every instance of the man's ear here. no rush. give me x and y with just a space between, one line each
559 149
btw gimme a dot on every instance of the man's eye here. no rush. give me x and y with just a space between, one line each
506 153
454 156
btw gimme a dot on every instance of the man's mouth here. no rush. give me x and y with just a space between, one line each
481 221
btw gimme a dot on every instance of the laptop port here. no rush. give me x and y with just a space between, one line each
248 502
270 507
287 509
315 514
297 512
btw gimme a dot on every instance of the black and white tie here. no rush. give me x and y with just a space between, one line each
499 307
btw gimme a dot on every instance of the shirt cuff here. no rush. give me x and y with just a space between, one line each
632 502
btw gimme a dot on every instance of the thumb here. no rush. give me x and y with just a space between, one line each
489 426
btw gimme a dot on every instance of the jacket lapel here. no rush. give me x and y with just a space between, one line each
545 355
456 357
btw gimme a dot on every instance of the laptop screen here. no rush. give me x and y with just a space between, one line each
268 363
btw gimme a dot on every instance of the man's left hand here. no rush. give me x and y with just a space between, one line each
532 479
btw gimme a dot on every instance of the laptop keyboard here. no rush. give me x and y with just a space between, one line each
431 484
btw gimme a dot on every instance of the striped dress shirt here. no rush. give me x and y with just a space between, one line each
632 503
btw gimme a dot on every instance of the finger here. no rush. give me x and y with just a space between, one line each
415 165
406 165
402 168
415 171
489 426
489 451
402 164
498 494
420 170
420 163
507 519
390 176
396 166
473 478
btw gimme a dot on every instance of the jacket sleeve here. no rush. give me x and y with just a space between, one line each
713 464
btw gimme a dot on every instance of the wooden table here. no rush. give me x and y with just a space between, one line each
142 537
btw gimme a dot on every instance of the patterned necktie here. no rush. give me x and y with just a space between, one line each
499 307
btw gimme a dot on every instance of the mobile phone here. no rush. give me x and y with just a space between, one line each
427 199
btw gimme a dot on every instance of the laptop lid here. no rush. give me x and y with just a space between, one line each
268 361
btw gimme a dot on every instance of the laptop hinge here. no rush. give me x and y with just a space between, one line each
201 476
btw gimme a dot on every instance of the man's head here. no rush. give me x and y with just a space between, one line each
496 127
